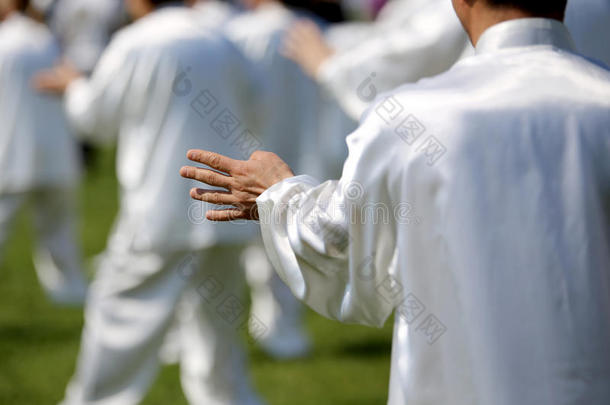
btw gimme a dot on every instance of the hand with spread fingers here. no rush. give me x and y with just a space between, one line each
243 181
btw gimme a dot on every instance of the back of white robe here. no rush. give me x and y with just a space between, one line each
166 85
36 147
476 204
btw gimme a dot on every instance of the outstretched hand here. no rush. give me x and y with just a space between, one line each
243 181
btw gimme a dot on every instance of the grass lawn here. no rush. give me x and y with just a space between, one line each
39 342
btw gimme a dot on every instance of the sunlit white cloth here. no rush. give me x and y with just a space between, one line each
166 84
205 98
36 147
588 22
410 40
475 204
289 125
38 159
57 257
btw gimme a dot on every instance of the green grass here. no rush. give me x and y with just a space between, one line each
39 342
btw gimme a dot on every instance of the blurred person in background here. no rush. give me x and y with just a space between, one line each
489 237
589 24
289 125
272 304
38 156
409 40
212 15
164 83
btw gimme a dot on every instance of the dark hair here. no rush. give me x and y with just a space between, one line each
157 3
536 7
22 5
327 10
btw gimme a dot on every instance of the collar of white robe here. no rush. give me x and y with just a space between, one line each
525 32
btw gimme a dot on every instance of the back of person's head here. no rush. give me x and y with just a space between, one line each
328 10
19 5
534 7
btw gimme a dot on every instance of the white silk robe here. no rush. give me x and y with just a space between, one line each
166 84
36 147
477 205
589 24
410 40
198 93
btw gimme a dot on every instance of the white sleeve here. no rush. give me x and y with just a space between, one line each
94 106
323 242
426 44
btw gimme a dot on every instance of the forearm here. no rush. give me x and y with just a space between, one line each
84 108
318 251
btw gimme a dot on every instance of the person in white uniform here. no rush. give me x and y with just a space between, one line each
409 40
289 125
272 304
588 22
38 158
164 83
213 15
475 205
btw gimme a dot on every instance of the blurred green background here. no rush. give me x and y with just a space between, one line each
39 342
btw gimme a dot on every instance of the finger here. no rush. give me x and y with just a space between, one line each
218 197
214 160
227 215
206 176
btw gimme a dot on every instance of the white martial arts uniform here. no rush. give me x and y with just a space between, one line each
38 159
84 28
211 14
163 86
475 204
589 24
410 40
